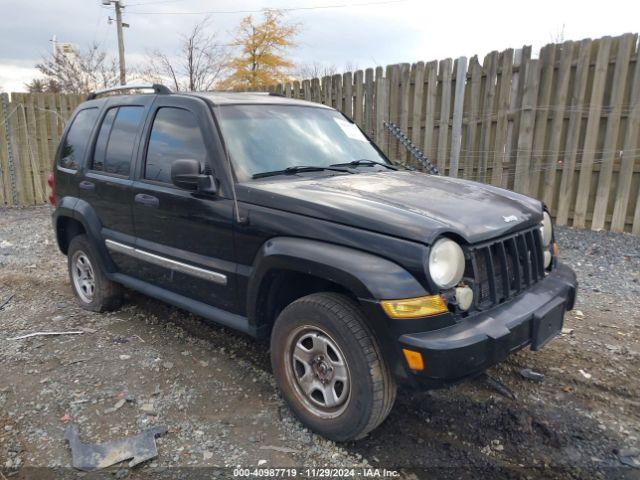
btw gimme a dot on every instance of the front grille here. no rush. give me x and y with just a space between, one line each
503 268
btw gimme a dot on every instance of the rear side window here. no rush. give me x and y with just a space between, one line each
116 140
175 134
75 143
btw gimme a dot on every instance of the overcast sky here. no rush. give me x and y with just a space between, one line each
365 33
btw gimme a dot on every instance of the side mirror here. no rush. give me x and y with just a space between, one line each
185 173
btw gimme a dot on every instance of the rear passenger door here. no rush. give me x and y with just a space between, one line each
188 234
107 179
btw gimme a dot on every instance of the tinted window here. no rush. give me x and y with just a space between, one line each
175 134
75 143
116 140
103 138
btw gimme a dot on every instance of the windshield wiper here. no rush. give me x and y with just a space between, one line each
300 168
364 161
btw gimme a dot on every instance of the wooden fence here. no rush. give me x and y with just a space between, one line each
30 129
563 128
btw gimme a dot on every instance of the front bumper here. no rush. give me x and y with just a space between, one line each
472 345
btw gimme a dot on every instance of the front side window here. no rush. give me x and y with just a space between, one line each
116 140
75 143
266 138
175 134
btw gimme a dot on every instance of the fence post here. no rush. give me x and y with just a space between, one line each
631 142
9 139
529 78
470 159
458 105
444 74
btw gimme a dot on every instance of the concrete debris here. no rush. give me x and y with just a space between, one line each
532 375
117 406
148 408
585 374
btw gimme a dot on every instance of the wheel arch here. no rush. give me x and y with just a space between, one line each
74 217
287 268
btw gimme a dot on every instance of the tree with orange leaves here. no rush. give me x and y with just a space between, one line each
261 61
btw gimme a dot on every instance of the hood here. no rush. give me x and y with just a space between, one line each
405 204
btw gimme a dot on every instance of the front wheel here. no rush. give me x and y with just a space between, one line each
329 367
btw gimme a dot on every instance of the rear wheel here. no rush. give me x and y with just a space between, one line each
329 367
93 290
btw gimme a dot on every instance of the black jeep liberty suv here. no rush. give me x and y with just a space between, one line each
281 219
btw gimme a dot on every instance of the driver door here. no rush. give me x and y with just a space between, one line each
183 238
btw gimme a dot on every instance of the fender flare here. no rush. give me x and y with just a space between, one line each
367 276
82 211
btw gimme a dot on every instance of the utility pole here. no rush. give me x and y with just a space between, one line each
119 26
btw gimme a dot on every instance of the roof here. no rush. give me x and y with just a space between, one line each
244 98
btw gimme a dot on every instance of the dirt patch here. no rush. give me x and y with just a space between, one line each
213 388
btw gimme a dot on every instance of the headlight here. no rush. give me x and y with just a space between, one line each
446 263
546 229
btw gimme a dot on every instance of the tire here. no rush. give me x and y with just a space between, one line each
93 290
321 350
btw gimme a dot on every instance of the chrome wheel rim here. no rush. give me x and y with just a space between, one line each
83 277
318 371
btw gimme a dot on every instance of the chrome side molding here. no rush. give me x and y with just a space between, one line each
165 262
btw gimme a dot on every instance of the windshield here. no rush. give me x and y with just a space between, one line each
267 138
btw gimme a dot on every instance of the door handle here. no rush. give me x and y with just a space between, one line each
147 200
86 185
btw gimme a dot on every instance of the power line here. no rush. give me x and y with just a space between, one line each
283 9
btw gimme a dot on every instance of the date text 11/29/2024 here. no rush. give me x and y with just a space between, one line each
321 472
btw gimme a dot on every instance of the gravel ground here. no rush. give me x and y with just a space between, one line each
214 391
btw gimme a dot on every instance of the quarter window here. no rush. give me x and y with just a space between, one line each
175 134
116 140
77 139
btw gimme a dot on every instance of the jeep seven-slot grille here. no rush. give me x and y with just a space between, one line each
503 268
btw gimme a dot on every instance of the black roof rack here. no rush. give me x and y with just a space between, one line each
156 87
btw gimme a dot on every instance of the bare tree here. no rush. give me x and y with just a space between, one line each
39 85
306 71
79 71
198 66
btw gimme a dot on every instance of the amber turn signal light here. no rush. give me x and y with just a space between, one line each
555 249
414 307
414 359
